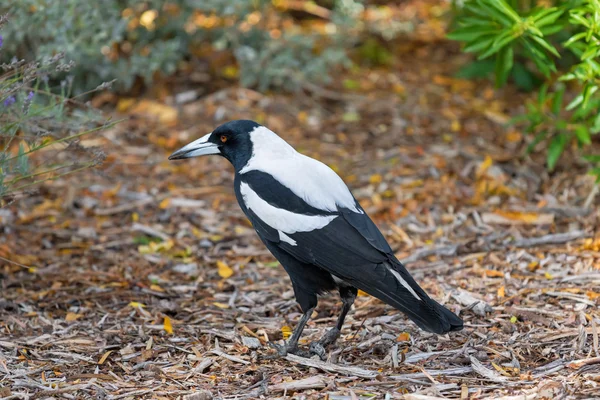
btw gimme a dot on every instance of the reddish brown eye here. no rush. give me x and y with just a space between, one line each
223 138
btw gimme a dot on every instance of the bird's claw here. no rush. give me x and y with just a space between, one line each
330 337
317 349
287 348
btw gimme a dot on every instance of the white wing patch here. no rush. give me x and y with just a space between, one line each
311 180
285 238
403 282
286 222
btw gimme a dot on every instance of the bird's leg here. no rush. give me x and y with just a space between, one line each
348 295
291 346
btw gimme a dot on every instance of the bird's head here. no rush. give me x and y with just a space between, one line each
230 140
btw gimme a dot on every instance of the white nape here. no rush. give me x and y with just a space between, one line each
311 180
403 282
282 220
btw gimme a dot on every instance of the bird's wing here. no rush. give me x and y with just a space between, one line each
344 243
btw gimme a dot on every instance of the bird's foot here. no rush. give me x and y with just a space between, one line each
330 337
289 348
318 348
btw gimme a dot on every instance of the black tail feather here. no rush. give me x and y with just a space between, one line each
425 312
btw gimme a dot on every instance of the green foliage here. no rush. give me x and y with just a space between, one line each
32 119
517 34
126 39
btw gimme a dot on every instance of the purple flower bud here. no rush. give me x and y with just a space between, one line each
30 96
9 101
1 41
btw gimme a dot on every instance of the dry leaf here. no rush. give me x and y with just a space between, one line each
167 325
71 316
224 270
517 218
403 337
104 357
136 304
501 292
286 331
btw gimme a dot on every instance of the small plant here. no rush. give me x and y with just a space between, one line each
517 34
36 121
129 39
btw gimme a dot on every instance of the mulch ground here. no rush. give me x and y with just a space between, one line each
143 279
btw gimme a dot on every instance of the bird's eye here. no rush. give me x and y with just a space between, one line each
223 138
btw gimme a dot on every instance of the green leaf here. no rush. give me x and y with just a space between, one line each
524 78
545 45
595 158
479 46
549 18
542 95
492 11
590 54
583 135
476 69
503 6
596 127
473 33
504 64
577 19
596 172
574 39
556 148
589 90
498 44
557 100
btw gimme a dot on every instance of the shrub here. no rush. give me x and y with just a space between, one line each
125 39
32 118
528 42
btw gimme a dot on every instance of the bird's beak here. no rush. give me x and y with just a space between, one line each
199 147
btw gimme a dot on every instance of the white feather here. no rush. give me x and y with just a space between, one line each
282 220
307 178
285 238
403 282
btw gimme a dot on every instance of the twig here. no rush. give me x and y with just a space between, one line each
486 372
556 238
329 367
314 382
218 352
421 375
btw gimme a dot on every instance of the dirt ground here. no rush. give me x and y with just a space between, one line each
143 279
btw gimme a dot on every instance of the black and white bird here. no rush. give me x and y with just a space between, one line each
310 221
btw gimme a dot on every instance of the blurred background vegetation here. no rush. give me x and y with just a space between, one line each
57 54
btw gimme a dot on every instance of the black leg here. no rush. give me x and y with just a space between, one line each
292 344
348 295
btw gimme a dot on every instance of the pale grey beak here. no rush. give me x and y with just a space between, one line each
199 147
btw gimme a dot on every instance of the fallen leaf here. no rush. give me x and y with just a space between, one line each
71 316
221 305
224 270
501 217
164 204
104 357
167 325
286 331
135 304
501 292
403 337
484 166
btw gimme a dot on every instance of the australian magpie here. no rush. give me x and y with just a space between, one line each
310 221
